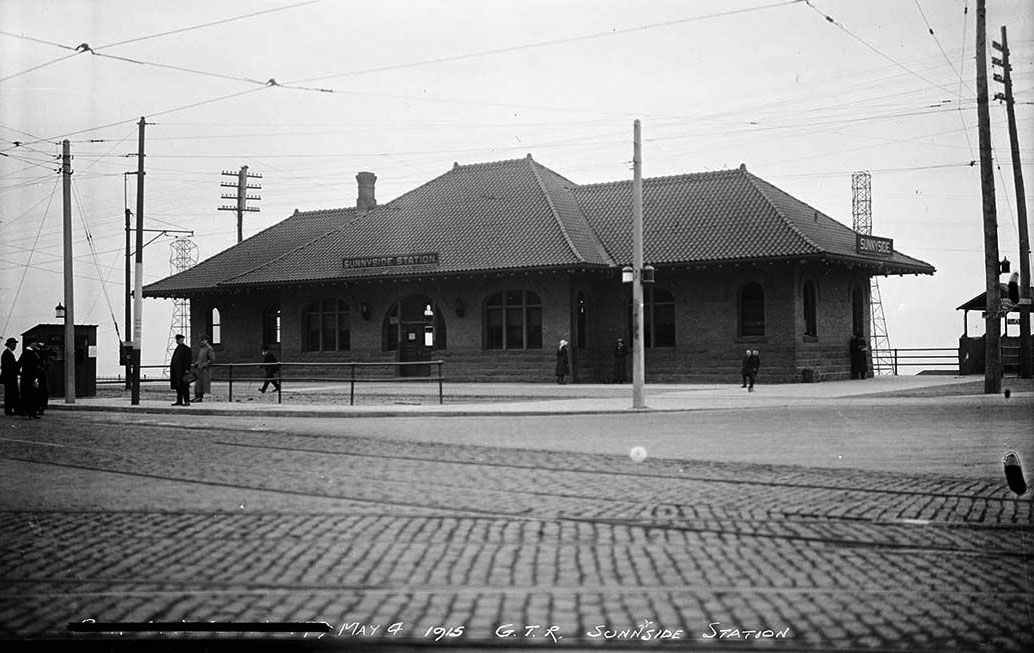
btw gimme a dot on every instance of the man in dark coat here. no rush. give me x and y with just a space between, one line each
745 368
178 368
271 369
30 367
620 361
9 376
859 351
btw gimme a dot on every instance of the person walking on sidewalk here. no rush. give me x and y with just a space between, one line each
271 368
9 376
745 368
179 369
753 364
205 358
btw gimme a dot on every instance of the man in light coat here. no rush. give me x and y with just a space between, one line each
205 358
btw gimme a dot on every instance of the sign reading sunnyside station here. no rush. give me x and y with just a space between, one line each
427 258
873 246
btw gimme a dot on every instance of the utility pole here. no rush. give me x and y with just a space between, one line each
66 178
638 353
128 298
1021 203
138 288
993 306
241 197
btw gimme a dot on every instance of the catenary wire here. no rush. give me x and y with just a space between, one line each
222 21
21 281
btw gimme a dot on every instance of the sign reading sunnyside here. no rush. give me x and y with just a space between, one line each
873 246
426 258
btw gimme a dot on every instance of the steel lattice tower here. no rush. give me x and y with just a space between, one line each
861 211
183 257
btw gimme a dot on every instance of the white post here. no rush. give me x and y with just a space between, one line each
638 353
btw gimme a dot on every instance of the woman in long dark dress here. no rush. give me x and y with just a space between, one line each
563 362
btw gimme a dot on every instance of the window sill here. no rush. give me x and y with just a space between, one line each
761 339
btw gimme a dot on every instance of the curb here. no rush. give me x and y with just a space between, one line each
375 413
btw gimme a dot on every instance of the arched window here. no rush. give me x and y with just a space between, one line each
752 310
811 327
271 325
658 317
326 326
858 310
215 327
513 320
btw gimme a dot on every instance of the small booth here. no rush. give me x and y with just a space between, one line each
52 357
972 348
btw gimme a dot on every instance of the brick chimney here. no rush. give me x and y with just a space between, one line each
366 200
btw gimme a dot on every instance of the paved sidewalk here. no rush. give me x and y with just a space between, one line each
486 399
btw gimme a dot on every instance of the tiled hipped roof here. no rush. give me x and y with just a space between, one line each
520 215
268 244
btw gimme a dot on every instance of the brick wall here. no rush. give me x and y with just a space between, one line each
708 345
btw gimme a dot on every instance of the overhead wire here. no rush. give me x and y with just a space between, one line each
141 62
843 28
93 252
222 21
38 67
962 116
538 44
944 54
21 281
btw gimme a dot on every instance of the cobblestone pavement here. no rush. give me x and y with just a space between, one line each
472 544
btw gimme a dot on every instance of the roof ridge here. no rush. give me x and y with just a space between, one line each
306 213
274 260
553 210
667 178
359 216
225 252
752 179
595 237
456 165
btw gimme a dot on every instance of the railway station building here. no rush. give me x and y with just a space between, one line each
488 266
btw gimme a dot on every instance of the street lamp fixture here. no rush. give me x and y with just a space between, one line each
59 312
648 274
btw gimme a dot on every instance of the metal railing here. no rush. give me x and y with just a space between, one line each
918 357
352 378
121 380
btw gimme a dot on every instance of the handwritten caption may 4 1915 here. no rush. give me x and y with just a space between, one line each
644 631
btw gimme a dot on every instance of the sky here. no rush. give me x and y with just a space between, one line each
308 93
